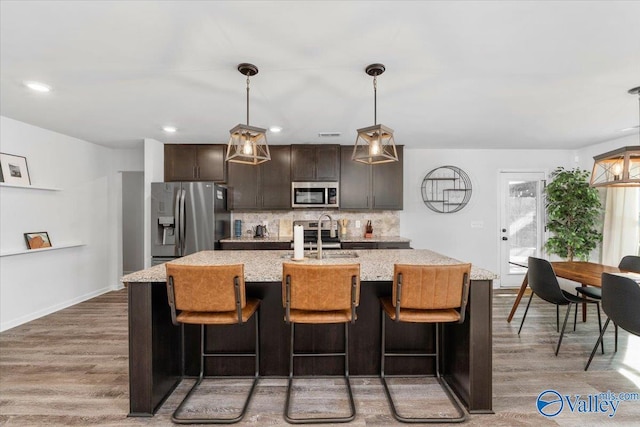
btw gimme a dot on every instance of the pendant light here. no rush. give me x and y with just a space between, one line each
375 144
248 144
618 168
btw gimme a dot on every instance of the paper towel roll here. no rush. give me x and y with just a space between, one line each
298 242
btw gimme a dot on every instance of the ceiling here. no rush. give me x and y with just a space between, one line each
459 74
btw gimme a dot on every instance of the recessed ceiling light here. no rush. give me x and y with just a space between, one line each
630 128
275 129
169 129
37 86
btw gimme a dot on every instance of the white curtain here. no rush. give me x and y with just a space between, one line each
621 231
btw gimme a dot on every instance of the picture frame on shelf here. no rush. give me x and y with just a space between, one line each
14 170
37 240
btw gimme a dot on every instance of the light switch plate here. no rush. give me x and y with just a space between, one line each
358 224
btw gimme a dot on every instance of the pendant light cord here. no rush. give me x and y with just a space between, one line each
247 99
375 99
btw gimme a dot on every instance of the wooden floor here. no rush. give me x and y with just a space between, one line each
70 368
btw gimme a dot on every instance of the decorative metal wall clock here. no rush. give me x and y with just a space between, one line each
446 189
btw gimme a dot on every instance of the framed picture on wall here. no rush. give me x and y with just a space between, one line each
13 170
37 240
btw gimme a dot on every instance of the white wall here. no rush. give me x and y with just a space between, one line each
585 155
153 172
85 210
452 234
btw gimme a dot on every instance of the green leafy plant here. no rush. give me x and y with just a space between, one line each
573 214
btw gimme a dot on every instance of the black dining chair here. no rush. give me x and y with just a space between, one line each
544 283
620 302
628 263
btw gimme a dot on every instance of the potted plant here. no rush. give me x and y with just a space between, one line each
573 214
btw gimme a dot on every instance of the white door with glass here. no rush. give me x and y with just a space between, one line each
521 223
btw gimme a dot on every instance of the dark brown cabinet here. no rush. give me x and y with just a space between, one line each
255 245
315 162
195 162
375 245
264 186
364 187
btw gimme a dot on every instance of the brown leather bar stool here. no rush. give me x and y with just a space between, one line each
426 294
211 295
320 294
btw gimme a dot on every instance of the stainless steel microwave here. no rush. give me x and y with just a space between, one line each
314 195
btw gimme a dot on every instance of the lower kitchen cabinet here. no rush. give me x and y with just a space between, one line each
375 245
255 245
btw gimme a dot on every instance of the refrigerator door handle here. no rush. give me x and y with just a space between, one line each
182 223
177 222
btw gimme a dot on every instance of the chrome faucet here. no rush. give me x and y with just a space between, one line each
320 232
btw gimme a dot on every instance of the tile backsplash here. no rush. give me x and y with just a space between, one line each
385 223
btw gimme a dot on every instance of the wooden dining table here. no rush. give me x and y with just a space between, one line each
586 273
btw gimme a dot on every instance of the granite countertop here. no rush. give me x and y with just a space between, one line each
266 266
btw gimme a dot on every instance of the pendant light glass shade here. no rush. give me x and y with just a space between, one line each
621 167
375 144
248 144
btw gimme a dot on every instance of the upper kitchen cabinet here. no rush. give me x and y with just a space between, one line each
195 162
315 162
265 186
365 187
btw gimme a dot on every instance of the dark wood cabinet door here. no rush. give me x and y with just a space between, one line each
275 179
303 160
179 162
315 162
355 181
359 245
386 184
210 162
327 163
242 181
195 162
394 245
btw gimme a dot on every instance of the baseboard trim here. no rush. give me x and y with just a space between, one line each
4 326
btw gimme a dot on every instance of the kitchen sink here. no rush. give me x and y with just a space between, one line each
326 254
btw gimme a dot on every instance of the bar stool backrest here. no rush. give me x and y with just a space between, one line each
630 263
206 288
320 287
430 287
620 301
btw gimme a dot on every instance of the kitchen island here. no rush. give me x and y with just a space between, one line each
155 350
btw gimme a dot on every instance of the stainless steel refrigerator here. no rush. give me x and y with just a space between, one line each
187 217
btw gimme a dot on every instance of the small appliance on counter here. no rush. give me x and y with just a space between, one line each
260 231
237 228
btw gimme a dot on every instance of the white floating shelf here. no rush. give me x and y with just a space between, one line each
29 187
31 251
